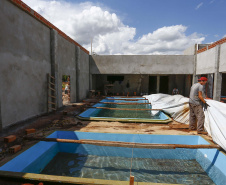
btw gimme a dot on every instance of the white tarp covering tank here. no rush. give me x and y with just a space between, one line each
177 106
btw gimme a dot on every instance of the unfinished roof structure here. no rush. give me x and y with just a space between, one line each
35 56
32 47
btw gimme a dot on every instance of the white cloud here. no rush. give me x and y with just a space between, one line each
199 5
211 1
86 21
166 40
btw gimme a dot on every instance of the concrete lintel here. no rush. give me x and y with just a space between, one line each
217 76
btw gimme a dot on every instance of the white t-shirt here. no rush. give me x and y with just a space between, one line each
66 88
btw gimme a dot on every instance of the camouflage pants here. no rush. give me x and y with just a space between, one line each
196 112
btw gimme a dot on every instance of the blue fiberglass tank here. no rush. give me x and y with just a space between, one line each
140 111
183 166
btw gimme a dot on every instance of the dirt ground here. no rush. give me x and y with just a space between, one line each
65 119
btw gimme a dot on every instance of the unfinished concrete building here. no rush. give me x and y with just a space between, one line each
31 47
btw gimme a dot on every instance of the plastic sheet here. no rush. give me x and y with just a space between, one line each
215 122
175 105
178 108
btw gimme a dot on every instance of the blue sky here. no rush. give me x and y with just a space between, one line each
137 26
207 17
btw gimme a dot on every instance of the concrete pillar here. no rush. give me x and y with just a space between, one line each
158 83
217 86
195 78
139 82
91 85
77 56
217 76
187 85
55 66
209 92
75 77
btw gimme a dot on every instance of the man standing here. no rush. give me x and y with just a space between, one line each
195 103
175 91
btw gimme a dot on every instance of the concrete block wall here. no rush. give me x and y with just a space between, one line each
209 46
142 64
30 49
206 62
41 19
137 83
134 66
212 63
140 84
24 63
83 74
222 64
191 50
66 61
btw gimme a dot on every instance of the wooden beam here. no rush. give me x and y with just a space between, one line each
52 89
108 108
125 99
51 103
51 77
51 83
122 144
52 96
48 80
52 108
131 180
125 103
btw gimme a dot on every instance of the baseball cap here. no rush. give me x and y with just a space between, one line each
202 79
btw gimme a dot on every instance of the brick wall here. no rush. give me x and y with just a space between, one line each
221 41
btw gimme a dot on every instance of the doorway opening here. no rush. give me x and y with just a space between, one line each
223 88
152 84
66 90
164 84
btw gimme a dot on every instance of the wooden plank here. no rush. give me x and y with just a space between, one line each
122 108
125 99
52 96
48 92
131 180
51 77
52 80
52 108
125 103
51 83
52 103
52 89
123 144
